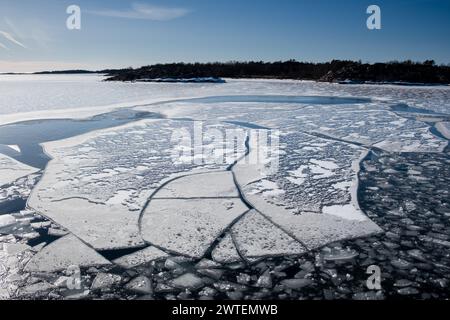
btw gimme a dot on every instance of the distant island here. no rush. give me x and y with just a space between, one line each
67 72
406 72
337 71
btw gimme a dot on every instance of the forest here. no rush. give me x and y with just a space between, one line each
407 72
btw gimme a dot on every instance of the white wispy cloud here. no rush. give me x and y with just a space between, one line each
3 46
145 11
11 38
34 32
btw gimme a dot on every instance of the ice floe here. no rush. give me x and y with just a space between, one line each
207 185
97 184
315 213
444 129
64 253
189 226
11 170
225 251
256 237
140 257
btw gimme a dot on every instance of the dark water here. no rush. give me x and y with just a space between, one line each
117 253
29 135
12 206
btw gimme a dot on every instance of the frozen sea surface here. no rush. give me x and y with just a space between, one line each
113 184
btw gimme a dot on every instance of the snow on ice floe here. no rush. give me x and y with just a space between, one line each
64 253
11 170
255 237
301 198
189 226
97 184
371 123
444 129
207 185
140 257
226 252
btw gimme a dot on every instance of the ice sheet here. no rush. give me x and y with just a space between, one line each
11 170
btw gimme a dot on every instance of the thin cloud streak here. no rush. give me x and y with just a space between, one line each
9 37
145 11
3 46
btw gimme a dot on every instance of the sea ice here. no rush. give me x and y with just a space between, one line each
188 227
207 185
97 184
301 211
64 253
11 170
257 237
140 257
225 252
444 129
112 173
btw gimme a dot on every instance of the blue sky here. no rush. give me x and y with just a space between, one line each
121 33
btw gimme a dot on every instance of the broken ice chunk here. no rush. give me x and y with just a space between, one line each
140 257
64 253
11 170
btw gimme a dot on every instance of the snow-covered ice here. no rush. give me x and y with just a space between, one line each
207 185
140 257
444 129
226 251
122 188
11 170
189 226
64 253
255 237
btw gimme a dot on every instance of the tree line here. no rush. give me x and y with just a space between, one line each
335 71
